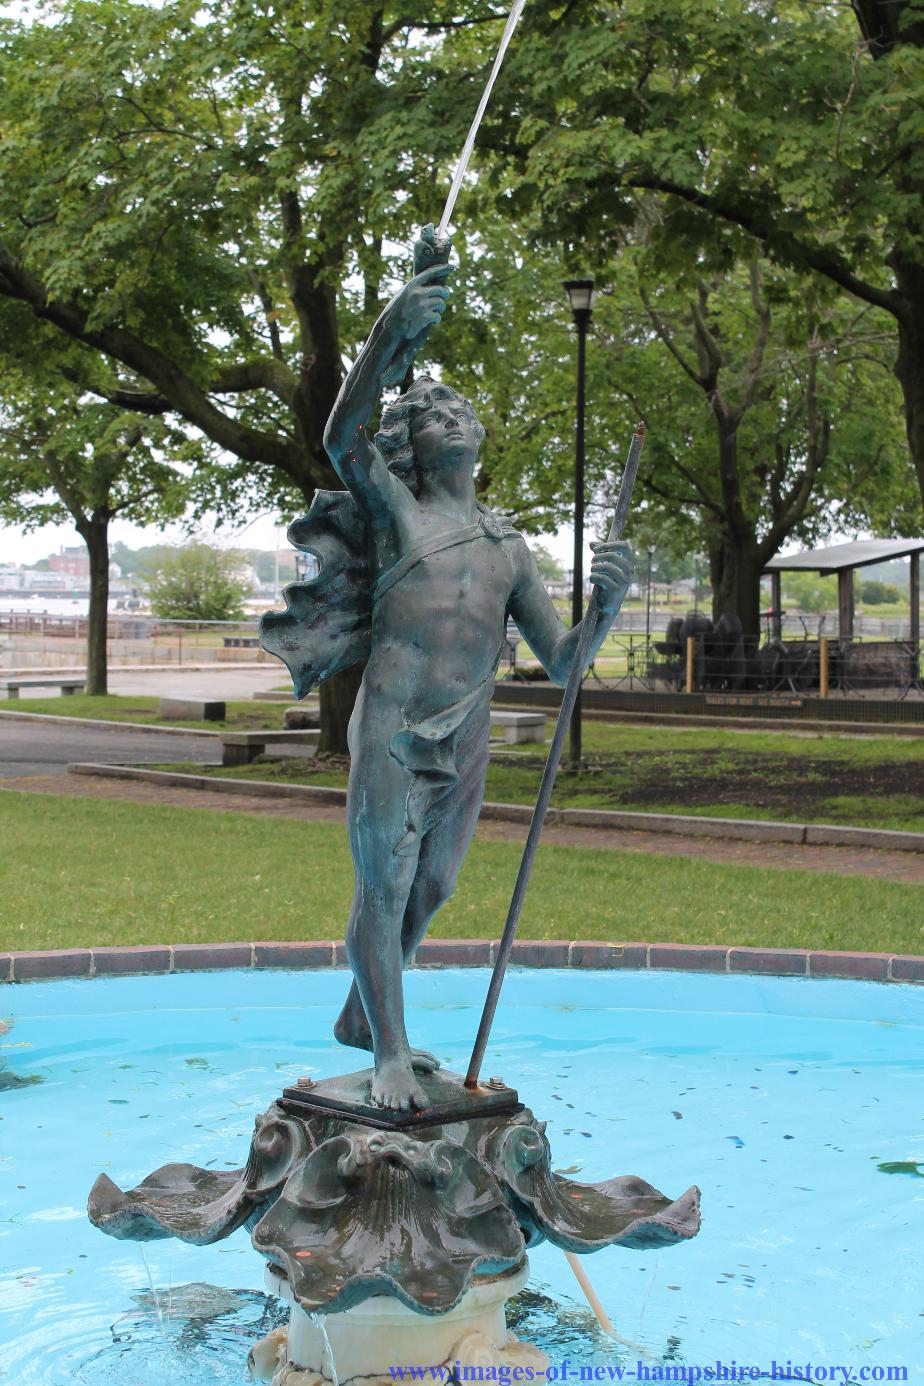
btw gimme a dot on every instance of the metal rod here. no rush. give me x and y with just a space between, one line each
575 676
590 1294
577 576
468 146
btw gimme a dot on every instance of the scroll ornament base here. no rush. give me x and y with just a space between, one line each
346 1212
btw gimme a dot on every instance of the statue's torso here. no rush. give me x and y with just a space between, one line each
437 633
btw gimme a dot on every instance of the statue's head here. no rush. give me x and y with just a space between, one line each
428 428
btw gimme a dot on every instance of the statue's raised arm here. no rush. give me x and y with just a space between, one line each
394 341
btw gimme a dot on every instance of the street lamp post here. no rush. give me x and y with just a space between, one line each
648 605
581 298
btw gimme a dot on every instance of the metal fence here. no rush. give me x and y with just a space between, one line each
711 661
704 662
137 638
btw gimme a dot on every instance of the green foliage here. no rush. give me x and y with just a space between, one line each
874 593
66 454
134 562
772 410
810 591
202 192
198 583
550 570
733 130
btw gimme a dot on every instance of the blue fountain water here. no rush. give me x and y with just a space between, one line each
797 1106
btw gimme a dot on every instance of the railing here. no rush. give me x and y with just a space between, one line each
825 668
146 639
785 669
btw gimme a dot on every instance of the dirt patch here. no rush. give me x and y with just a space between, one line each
787 785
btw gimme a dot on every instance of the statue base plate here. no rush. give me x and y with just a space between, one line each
348 1097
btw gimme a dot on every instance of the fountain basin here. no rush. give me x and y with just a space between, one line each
792 1101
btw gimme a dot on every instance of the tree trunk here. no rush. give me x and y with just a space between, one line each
736 568
909 365
338 694
95 535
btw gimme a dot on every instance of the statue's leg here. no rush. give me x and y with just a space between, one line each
442 851
447 831
377 817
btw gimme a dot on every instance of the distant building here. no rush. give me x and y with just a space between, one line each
75 562
11 578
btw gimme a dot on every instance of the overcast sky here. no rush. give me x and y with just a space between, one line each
260 532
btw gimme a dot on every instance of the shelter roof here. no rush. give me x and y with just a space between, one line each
836 557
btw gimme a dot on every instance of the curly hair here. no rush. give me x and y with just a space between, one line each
394 439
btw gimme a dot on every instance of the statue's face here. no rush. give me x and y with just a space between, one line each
445 435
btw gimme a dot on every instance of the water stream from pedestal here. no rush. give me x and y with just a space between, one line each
321 1326
154 1295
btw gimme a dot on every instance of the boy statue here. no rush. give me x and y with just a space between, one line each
417 577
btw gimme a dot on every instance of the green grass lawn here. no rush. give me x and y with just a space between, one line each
241 716
79 872
815 777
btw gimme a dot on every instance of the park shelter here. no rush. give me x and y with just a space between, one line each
843 559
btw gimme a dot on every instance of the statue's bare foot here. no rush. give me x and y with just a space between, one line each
358 1036
394 1086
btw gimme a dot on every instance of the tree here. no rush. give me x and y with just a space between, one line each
771 408
67 456
793 395
873 593
550 570
795 128
186 190
198 583
810 591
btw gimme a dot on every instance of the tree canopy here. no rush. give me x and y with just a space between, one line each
798 129
203 197
206 204
66 455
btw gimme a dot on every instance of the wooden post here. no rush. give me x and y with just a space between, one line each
824 667
845 603
915 596
776 601
691 661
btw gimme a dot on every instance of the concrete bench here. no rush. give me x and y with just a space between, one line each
191 709
240 748
520 726
241 642
66 685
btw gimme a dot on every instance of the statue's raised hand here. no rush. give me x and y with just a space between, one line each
612 570
421 303
415 311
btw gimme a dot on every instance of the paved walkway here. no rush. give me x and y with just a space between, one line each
37 748
907 867
223 681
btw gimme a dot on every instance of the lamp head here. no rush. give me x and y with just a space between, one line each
581 296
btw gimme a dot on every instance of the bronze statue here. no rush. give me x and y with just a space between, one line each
418 577
392 1185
